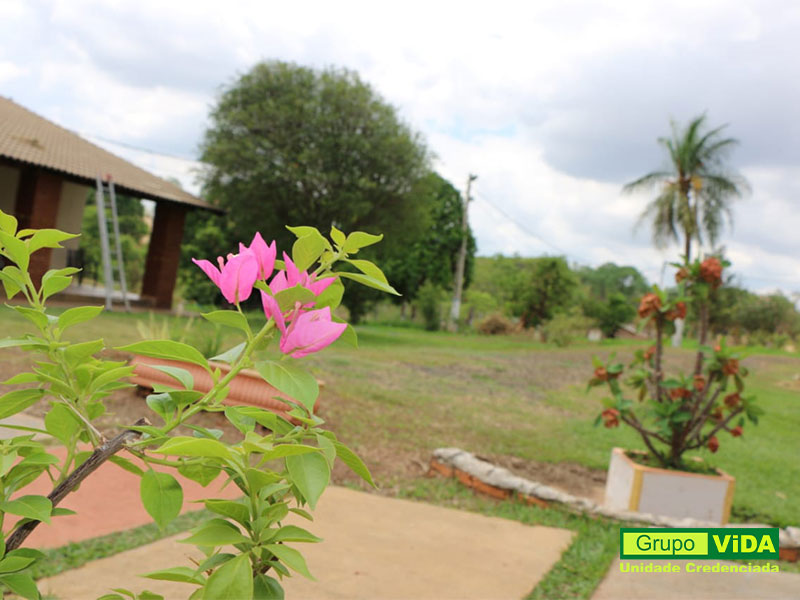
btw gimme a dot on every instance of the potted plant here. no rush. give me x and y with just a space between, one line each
675 414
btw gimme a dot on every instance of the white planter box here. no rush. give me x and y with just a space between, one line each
634 487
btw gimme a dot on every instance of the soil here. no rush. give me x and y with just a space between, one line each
572 478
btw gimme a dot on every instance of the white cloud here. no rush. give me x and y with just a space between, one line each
553 104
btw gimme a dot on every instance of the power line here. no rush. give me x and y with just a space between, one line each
530 233
140 148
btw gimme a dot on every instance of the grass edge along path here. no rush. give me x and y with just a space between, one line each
77 554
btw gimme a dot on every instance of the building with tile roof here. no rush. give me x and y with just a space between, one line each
46 172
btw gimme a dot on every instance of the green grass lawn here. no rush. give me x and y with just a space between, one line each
405 392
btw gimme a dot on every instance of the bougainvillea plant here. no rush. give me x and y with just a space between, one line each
675 414
279 466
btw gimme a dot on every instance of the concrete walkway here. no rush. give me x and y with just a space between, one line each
375 547
697 586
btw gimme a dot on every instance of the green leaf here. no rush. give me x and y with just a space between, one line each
348 336
370 282
228 508
231 355
232 581
61 423
216 532
48 238
36 317
78 353
8 223
288 298
338 237
16 562
359 239
181 574
202 474
163 405
11 342
32 507
228 318
267 588
267 419
17 250
21 584
258 479
331 296
162 496
18 400
168 350
352 460
292 533
180 375
291 558
310 473
54 284
77 315
126 464
189 446
283 450
307 249
291 379
368 268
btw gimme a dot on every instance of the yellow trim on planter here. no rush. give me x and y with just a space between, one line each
636 490
726 507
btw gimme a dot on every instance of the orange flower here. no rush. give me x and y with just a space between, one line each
680 392
650 353
610 417
713 443
732 400
601 373
736 431
731 367
682 274
711 271
679 312
699 383
649 305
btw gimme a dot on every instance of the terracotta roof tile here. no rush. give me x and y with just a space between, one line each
29 138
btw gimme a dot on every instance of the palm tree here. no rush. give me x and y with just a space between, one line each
694 193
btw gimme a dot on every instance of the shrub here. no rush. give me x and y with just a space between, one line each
247 545
496 324
429 304
564 328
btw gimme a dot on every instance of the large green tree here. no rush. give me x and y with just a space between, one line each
431 256
289 144
694 193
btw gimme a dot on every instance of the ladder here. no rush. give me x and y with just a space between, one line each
104 187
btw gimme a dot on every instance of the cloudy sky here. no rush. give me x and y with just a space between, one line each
554 105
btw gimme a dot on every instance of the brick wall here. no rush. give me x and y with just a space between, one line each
38 197
163 253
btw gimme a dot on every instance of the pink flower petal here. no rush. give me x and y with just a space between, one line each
209 269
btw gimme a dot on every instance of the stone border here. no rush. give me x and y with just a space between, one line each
500 483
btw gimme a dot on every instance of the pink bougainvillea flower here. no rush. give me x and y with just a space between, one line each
234 278
265 255
292 276
310 332
273 310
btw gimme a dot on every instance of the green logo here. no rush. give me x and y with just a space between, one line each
701 543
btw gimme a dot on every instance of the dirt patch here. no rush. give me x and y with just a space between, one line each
567 477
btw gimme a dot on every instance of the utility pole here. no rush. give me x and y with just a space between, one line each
462 257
